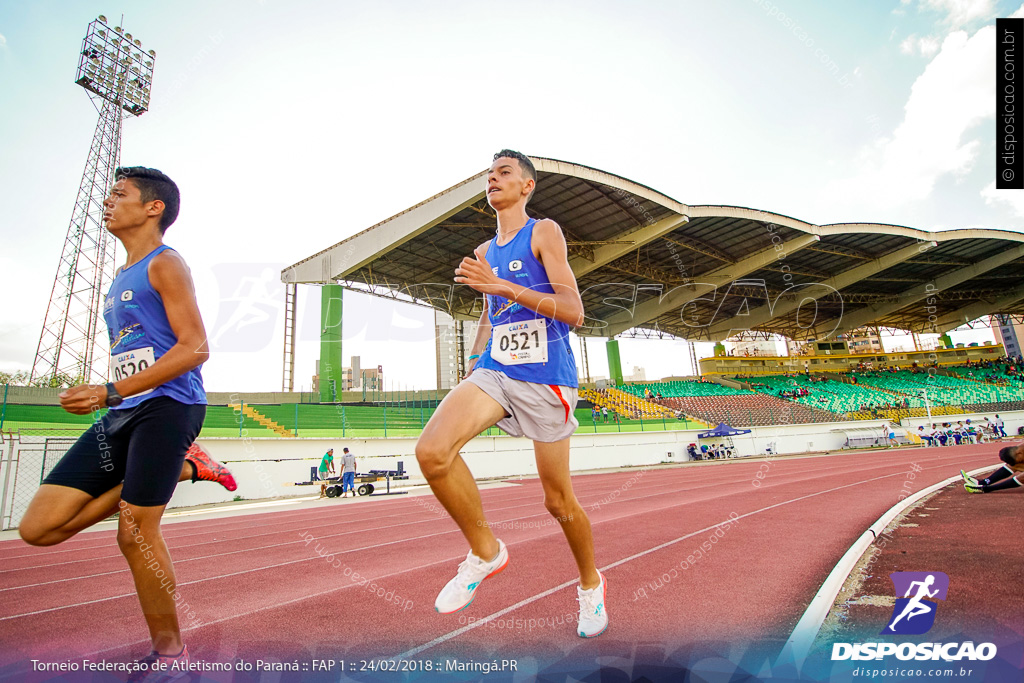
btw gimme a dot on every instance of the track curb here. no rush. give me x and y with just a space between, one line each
797 647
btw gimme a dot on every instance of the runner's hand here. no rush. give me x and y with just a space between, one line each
84 398
477 273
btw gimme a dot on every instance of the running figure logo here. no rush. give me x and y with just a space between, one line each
914 613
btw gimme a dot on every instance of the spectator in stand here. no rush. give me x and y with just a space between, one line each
972 432
604 412
958 433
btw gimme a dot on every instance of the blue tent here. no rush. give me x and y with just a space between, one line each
722 430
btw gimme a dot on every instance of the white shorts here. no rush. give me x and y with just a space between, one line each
541 412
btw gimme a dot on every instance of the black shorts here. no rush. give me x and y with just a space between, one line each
144 447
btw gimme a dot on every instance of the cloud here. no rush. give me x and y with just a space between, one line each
928 46
955 92
1014 199
3 40
960 13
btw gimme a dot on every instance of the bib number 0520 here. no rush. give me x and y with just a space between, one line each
522 342
127 363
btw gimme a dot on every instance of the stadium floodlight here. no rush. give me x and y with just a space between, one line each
106 51
118 77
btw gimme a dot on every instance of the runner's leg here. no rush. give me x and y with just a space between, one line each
561 502
142 544
465 412
57 513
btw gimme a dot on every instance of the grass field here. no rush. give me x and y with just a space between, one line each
408 426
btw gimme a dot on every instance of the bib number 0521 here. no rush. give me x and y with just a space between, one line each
521 342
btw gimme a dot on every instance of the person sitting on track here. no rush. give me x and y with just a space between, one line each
1009 475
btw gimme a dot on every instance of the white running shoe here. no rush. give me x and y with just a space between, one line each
593 616
460 591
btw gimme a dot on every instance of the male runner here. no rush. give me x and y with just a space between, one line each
131 460
523 380
1010 474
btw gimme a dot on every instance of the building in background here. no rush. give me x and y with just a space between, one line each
639 374
1009 333
863 340
752 347
454 339
355 378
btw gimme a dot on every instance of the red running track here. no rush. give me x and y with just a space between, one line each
258 587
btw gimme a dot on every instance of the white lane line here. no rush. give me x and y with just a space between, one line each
522 603
673 485
287 518
289 526
480 622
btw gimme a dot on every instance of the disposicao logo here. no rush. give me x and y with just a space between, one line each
914 614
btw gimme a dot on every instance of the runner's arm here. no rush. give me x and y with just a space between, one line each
483 328
483 334
171 279
564 305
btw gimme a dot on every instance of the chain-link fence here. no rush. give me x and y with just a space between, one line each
27 459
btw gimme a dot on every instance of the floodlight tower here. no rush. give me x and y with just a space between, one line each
117 74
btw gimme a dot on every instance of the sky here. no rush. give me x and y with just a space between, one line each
290 126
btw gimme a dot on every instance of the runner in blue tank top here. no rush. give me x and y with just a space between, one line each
523 380
131 459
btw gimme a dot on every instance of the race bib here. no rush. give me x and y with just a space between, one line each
519 343
127 363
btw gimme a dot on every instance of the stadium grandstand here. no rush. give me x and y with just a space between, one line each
650 266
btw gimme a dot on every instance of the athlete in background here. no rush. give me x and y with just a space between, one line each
1010 474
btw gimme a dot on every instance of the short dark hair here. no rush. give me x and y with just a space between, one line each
524 162
154 185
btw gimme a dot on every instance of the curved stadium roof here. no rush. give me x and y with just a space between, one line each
646 261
